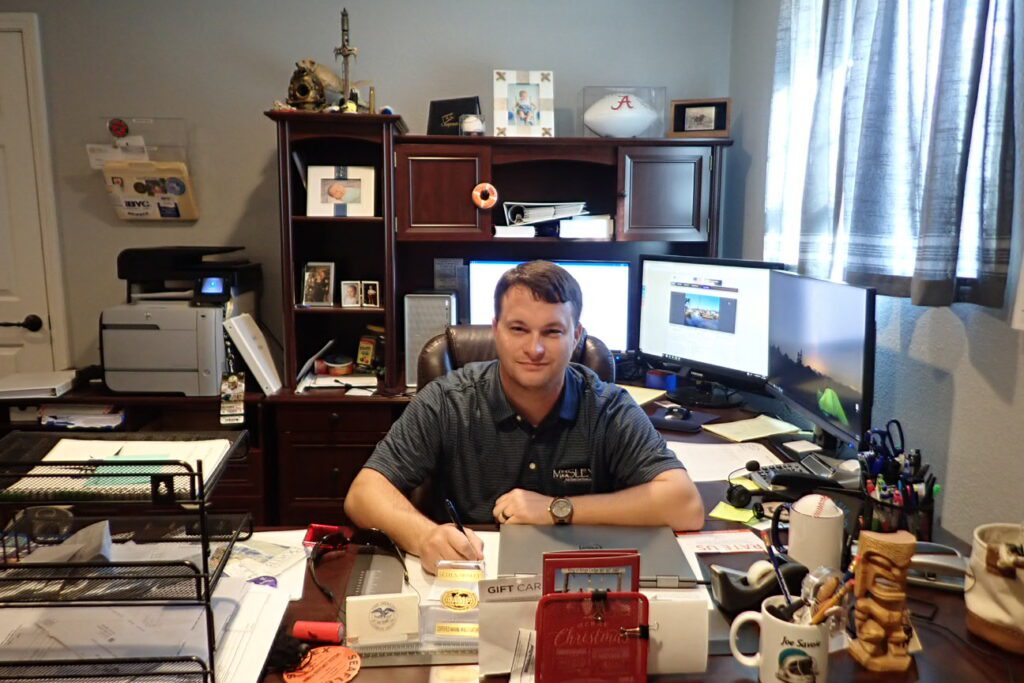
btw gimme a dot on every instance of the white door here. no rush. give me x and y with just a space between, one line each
27 228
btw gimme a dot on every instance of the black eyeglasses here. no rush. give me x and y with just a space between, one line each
366 540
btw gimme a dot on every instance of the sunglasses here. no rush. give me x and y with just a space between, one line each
364 540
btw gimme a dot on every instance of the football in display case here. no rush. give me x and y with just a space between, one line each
622 111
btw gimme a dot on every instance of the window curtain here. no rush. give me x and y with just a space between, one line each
891 145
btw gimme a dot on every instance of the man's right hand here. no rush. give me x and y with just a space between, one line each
446 542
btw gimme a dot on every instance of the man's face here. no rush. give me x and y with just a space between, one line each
534 339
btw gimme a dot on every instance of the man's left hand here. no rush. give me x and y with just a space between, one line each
520 506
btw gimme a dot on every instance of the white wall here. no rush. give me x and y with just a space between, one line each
220 64
953 376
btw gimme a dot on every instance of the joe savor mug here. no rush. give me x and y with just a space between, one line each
793 653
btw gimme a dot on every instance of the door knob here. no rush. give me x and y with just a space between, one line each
32 323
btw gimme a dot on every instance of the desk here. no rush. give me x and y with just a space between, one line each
944 658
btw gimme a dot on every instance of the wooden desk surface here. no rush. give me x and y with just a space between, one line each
944 658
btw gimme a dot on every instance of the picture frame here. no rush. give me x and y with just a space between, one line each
707 118
369 293
443 115
351 294
340 191
524 103
318 283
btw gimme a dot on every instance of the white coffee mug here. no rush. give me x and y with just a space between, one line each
793 653
815 532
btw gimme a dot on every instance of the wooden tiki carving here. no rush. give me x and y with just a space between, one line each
881 615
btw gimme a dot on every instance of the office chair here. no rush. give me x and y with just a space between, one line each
461 344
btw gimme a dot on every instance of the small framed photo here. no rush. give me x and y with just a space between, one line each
340 191
701 118
524 103
351 294
318 284
369 292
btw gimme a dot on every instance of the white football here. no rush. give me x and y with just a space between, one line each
619 115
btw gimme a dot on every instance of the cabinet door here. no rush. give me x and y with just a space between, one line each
665 193
434 192
315 475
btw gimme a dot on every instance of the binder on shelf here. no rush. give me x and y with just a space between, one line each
250 342
36 384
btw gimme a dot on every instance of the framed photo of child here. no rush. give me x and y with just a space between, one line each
370 290
351 294
340 191
318 284
524 103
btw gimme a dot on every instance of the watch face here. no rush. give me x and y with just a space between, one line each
561 508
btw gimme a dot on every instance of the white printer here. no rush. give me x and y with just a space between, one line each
169 336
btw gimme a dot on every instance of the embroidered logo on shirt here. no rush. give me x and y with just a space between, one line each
572 474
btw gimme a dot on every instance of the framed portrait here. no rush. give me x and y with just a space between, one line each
701 118
340 191
318 284
524 103
351 294
369 292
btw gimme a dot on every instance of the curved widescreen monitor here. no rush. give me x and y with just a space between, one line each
605 287
706 315
822 351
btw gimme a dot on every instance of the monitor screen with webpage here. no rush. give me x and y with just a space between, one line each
706 315
822 352
605 286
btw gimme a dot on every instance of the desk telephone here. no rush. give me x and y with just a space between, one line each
812 470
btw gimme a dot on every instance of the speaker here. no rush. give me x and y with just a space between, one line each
426 316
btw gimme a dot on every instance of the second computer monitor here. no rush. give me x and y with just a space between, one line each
605 287
708 315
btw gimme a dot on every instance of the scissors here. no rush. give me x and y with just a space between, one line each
887 442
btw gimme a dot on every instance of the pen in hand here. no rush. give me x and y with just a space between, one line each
453 515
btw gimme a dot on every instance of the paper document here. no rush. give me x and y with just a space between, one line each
730 541
524 666
759 427
642 395
715 461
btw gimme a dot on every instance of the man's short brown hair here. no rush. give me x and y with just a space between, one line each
546 281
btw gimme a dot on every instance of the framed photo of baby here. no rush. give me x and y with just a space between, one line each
340 191
524 103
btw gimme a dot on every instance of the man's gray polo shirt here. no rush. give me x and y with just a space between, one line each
461 431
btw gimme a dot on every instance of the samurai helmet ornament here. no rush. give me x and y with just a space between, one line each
306 91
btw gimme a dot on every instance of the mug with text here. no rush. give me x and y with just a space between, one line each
793 653
815 532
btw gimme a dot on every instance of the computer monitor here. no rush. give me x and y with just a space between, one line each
708 317
605 286
822 352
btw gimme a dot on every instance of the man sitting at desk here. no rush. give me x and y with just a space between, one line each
526 439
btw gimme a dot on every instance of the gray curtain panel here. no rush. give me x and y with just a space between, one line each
910 152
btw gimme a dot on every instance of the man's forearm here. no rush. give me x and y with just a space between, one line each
373 501
670 499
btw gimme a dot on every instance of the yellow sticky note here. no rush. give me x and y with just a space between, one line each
732 514
748 484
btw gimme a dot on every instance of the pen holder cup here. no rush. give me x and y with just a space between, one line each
880 515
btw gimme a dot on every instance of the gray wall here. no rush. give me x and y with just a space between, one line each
220 64
953 376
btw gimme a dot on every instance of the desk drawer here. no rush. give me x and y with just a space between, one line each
337 418
317 471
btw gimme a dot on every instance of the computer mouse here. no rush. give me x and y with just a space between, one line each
678 413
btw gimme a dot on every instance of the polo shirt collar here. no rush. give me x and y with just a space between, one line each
567 407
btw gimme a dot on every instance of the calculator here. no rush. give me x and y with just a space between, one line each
809 465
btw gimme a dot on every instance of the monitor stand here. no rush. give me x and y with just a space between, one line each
703 393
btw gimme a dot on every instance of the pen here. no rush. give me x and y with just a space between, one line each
453 515
778 574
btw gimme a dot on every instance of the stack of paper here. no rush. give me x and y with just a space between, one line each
75 416
760 427
586 227
716 461
515 231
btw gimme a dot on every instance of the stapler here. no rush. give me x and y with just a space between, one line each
937 566
735 591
